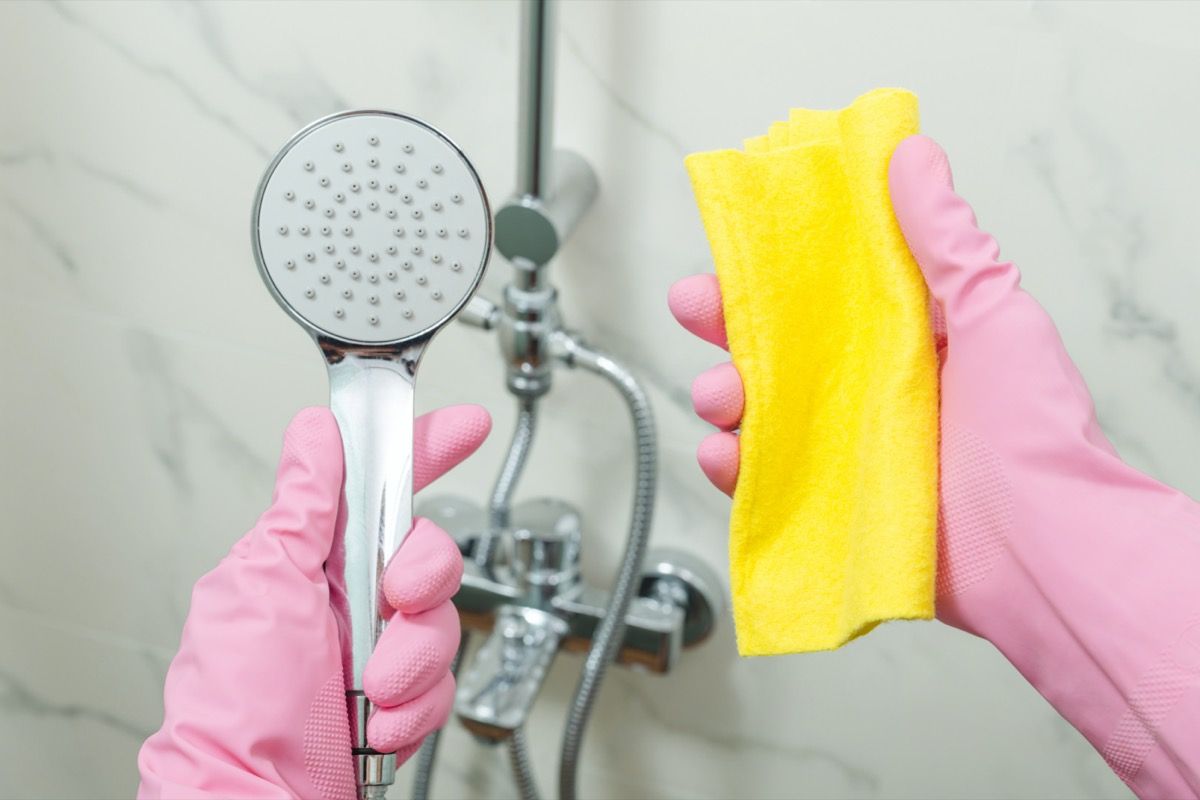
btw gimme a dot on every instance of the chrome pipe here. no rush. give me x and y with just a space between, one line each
536 109
554 187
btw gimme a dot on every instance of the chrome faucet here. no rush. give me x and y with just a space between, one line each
522 585
534 603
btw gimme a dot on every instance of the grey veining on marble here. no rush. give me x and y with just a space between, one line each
45 236
17 700
141 429
302 97
75 15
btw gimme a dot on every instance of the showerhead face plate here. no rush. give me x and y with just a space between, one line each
371 228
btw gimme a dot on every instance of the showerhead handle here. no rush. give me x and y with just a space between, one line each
371 396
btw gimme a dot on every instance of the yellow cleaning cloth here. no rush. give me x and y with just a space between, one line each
834 519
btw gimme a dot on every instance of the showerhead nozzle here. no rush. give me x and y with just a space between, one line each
371 228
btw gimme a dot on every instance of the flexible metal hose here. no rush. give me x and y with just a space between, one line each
506 481
522 767
611 630
498 517
498 511
428 751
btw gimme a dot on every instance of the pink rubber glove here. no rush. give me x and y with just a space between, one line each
254 702
1081 570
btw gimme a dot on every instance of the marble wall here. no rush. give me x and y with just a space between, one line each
151 374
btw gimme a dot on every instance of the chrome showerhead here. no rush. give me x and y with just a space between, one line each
372 230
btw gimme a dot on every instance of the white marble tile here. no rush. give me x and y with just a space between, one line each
152 375
132 477
1098 161
75 706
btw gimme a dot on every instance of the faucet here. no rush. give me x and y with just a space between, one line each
522 586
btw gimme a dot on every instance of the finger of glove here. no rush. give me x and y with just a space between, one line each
718 396
425 572
960 262
308 485
720 459
696 303
401 728
412 656
442 439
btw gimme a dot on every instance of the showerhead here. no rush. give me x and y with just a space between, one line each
372 230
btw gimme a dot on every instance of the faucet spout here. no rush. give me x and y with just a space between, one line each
496 693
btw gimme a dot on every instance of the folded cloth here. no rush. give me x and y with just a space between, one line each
834 520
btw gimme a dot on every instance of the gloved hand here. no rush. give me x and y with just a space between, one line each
254 700
1080 569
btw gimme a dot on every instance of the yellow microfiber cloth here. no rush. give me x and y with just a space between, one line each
833 528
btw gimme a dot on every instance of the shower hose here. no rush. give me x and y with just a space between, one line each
611 629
